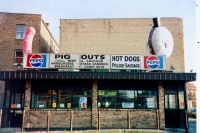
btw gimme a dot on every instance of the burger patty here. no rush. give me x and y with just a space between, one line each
150 41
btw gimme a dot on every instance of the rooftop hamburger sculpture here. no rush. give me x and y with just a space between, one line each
160 41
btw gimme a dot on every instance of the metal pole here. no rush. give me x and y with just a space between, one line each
23 120
128 113
99 121
71 120
48 115
186 121
158 122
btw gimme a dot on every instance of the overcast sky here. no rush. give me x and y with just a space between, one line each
54 10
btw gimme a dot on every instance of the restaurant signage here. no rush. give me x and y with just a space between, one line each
65 61
153 62
36 60
125 62
94 61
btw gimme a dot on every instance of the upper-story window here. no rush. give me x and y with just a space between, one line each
20 31
18 57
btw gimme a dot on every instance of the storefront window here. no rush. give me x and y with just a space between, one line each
127 99
147 99
107 98
140 99
81 99
173 101
166 101
61 99
41 99
181 100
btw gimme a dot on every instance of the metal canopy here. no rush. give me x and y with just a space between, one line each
4 75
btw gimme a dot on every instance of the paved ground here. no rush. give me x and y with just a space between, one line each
192 125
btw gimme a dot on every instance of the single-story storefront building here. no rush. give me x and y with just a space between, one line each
51 100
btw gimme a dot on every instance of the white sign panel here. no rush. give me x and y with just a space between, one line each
150 103
125 62
94 61
63 61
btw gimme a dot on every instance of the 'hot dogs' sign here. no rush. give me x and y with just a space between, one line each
125 62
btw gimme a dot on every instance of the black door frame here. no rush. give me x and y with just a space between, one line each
12 117
172 115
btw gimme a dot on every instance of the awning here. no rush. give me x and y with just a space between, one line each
5 75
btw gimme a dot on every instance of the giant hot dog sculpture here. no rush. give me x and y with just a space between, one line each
28 39
160 41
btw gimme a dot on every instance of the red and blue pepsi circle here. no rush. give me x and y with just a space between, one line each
36 60
153 62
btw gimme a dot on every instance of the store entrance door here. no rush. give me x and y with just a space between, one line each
16 109
172 119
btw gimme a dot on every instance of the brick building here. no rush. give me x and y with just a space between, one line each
118 36
12 29
104 99
191 95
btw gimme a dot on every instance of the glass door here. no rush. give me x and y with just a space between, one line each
172 119
16 109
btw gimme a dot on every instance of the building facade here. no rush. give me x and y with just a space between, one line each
101 99
191 95
119 36
13 27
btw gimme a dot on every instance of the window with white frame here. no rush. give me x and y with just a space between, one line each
18 57
20 31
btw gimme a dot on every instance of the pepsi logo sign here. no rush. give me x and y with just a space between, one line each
36 60
153 62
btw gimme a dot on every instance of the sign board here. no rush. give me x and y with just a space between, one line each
64 61
88 61
127 105
83 102
36 60
94 61
153 62
150 103
125 62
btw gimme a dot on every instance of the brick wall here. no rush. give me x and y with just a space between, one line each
118 36
191 94
139 119
161 106
8 41
47 40
113 120
96 119
143 119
